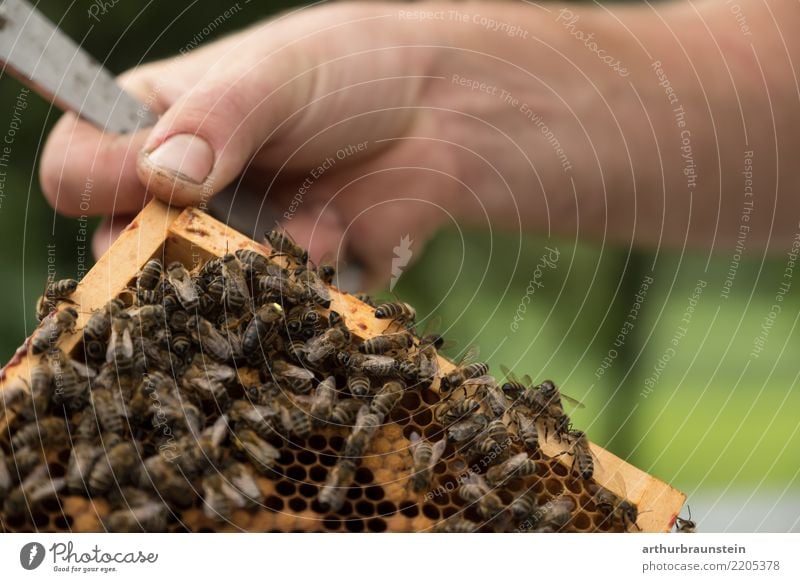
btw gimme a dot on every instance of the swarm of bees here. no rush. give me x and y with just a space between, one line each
188 387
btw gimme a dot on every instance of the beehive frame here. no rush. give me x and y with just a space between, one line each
382 502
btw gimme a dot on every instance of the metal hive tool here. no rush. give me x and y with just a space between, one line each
379 499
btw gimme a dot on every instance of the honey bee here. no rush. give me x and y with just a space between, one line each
315 287
325 345
160 474
497 431
259 452
682 525
546 401
98 329
554 515
345 412
450 412
378 366
358 385
282 244
118 465
283 288
617 510
324 400
150 517
387 397
582 462
150 275
467 428
120 346
34 489
398 312
381 344
455 525
466 369
260 418
520 465
6 481
254 263
108 410
48 431
220 498
182 283
52 328
70 379
296 422
522 507
82 458
262 330
54 292
475 490
364 430
364 298
424 456
236 293
297 378
332 494
526 431
210 340
486 388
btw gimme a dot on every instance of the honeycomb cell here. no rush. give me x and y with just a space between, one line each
430 511
298 504
40 519
354 525
286 458
365 508
449 511
574 486
318 473
554 486
429 397
423 417
328 460
409 508
274 503
386 509
377 525
51 505
559 469
331 523
316 507
364 476
285 488
581 521
336 442
296 473
308 490
317 442
433 432
374 492
63 522
411 400
306 458
354 493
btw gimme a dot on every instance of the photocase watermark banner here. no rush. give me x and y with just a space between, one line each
135 557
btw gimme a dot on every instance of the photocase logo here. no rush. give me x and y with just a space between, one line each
402 256
31 555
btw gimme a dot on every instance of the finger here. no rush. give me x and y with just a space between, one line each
208 137
85 171
107 232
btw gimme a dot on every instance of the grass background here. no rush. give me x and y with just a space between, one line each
717 418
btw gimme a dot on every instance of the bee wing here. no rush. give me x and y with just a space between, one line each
292 371
83 370
469 356
379 359
573 401
438 451
415 439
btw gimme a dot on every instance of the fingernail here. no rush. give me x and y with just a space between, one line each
186 156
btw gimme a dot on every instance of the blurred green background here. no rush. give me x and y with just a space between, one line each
718 423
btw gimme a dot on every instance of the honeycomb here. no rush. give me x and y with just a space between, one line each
379 499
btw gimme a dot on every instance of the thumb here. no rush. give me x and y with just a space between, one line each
199 146
210 133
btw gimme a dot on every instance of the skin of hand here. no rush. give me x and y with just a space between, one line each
363 123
